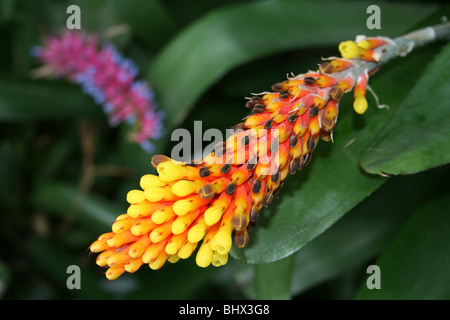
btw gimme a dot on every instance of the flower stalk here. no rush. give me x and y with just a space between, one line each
106 76
209 203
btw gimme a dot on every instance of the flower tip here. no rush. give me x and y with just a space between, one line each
365 44
97 246
133 266
183 188
196 233
360 105
219 260
204 256
158 263
170 171
221 242
349 49
182 207
174 258
135 196
114 272
213 214
150 180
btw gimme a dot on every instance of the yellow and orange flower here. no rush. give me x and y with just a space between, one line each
204 205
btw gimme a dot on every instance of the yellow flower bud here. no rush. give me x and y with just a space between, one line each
360 105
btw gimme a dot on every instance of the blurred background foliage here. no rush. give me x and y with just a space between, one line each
65 173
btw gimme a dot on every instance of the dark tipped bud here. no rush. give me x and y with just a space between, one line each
252 162
225 168
204 172
238 126
301 163
293 165
311 143
251 225
250 104
309 80
239 221
256 186
284 94
245 140
327 124
280 86
268 124
313 112
159 158
276 176
206 192
267 200
230 188
292 118
326 67
254 214
241 238
258 108
336 92
293 140
307 159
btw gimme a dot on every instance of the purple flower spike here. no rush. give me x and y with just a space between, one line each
109 78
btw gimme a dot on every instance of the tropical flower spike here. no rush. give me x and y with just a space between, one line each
106 76
205 204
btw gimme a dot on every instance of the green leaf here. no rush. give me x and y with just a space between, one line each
418 136
225 38
333 183
23 99
273 280
416 263
363 232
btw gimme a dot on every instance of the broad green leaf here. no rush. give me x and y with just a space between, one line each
23 99
418 136
226 38
363 232
313 200
416 264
